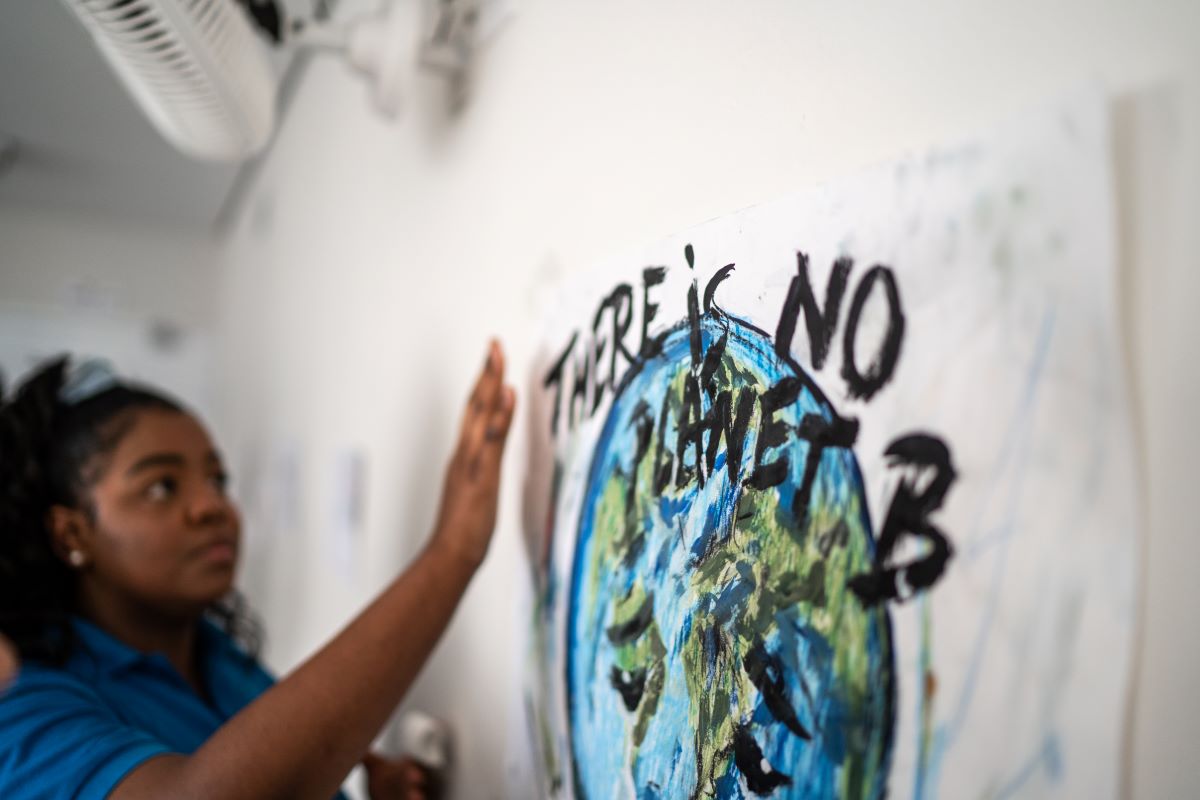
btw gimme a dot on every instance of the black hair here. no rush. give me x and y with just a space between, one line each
51 453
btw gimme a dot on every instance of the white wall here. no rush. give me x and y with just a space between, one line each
371 262
51 259
139 294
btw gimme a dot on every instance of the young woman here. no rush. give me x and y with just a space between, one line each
118 546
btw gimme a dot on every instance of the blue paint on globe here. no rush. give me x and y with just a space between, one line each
713 648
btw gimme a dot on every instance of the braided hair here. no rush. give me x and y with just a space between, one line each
51 453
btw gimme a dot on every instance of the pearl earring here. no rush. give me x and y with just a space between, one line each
77 558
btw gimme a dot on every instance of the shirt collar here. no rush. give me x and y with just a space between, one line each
109 652
112 655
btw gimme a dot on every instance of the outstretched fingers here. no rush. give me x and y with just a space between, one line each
488 381
488 414
495 435
483 393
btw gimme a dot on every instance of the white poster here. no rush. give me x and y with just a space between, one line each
835 496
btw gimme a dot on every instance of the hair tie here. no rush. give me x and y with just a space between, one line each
85 379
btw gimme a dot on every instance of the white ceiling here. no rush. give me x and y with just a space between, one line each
83 146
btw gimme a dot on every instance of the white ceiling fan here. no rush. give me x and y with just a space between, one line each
198 68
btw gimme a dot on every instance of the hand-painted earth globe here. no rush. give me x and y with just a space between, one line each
713 647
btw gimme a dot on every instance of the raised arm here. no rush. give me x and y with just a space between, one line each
301 737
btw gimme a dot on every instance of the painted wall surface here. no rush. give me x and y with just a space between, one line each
141 295
54 260
371 261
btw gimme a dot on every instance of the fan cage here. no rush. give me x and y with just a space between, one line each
196 67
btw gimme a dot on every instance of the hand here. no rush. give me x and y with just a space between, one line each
469 494
400 779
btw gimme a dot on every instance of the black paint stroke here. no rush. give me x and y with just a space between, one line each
579 387
619 302
694 339
837 536
909 515
711 288
650 345
630 688
690 435
820 433
631 629
865 385
749 759
712 362
732 425
554 377
773 432
765 671
820 324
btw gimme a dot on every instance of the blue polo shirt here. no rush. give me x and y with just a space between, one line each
77 730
